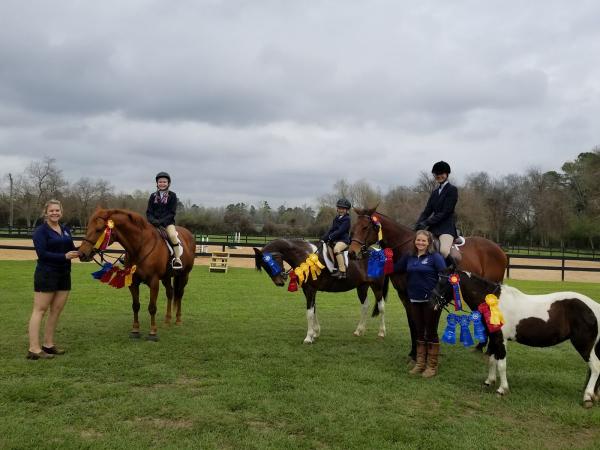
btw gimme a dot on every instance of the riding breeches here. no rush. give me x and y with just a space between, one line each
426 320
174 239
446 241
337 253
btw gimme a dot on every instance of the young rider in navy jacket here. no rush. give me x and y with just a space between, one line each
438 215
162 207
337 237
422 268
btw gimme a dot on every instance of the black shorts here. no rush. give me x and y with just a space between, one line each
48 280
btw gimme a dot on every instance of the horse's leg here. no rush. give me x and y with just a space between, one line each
154 284
503 389
134 289
379 309
310 294
491 378
180 282
316 325
411 326
362 291
169 292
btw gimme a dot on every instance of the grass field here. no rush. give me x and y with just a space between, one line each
236 375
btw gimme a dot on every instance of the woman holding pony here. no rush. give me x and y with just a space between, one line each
52 279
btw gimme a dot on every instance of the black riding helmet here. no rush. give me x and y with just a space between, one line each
440 167
163 175
343 203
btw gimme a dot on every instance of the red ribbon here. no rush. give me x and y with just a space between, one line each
388 266
293 285
484 309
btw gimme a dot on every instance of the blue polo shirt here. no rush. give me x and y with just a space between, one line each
422 274
51 247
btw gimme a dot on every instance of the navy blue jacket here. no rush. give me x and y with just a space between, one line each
339 231
51 247
422 273
162 214
438 214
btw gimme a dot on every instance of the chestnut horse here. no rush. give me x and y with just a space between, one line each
294 252
533 320
147 250
478 255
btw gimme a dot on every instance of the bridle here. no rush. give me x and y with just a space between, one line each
439 299
364 248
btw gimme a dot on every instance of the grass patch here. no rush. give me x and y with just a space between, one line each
236 375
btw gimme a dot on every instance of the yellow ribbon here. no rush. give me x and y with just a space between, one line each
310 267
496 317
129 276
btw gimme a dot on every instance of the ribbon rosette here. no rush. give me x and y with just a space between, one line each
449 336
455 282
272 266
496 317
375 220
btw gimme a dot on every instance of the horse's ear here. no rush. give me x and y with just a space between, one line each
372 210
257 258
257 252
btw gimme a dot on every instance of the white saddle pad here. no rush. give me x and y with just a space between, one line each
330 264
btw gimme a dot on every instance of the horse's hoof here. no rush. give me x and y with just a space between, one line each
307 341
588 404
502 393
152 337
358 333
178 322
380 335
134 334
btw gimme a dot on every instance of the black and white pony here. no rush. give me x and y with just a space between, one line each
534 320
294 252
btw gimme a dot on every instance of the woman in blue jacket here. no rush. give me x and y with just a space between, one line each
52 279
422 268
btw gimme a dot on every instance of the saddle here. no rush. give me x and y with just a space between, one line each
455 253
165 237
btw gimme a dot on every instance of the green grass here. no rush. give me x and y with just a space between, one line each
236 375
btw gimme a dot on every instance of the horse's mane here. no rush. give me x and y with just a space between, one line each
139 220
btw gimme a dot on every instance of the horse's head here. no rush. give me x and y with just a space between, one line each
441 294
473 288
272 262
97 226
364 232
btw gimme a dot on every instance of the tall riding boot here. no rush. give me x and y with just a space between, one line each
433 351
421 357
341 265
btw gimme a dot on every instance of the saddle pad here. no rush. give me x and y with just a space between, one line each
330 265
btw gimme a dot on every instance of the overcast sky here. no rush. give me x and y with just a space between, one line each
275 99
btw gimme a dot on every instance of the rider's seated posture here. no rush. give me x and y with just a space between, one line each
162 207
438 216
338 237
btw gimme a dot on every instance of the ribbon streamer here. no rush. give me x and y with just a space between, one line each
104 239
478 327
465 333
455 282
293 285
496 317
449 336
388 267
376 263
272 266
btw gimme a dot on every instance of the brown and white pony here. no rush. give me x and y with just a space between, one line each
147 250
294 252
533 320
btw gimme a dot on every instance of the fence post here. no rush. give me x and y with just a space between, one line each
562 271
508 267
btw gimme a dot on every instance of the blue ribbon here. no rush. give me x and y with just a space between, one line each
376 263
272 266
449 336
478 327
105 268
457 298
465 333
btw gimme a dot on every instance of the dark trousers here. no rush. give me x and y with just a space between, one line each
426 321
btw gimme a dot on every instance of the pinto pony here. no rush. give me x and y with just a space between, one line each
478 255
294 252
533 320
147 250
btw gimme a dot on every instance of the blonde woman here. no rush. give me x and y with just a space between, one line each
52 280
422 268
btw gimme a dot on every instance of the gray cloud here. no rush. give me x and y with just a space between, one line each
269 100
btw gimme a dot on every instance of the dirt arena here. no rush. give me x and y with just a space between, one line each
517 274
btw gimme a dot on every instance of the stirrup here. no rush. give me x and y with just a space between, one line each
176 264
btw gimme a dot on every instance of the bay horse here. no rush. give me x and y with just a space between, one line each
147 250
478 255
533 320
294 252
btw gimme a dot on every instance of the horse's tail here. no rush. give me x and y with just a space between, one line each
385 289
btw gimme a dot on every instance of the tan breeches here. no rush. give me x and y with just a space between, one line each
446 241
337 253
174 239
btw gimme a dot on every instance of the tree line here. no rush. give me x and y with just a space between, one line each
552 208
